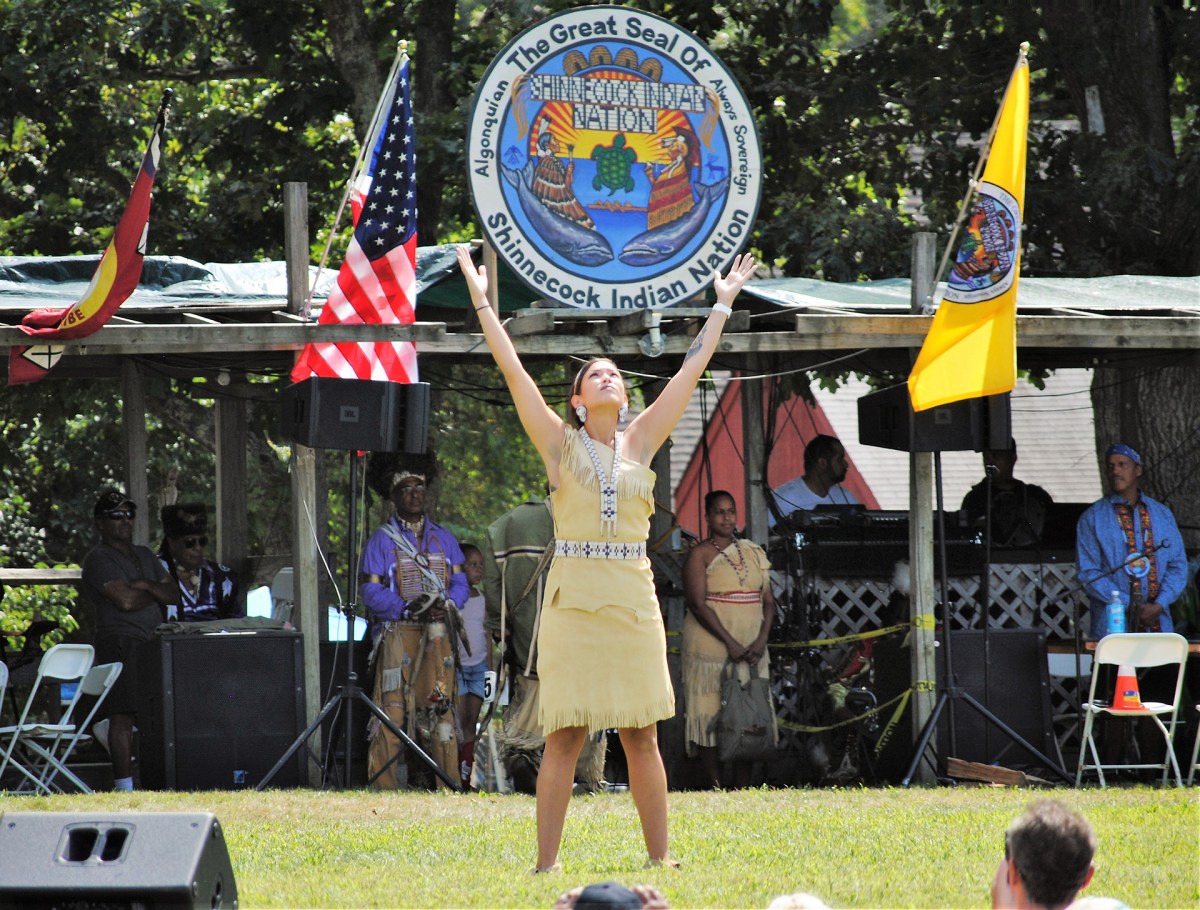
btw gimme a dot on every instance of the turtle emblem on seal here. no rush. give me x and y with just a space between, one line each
614 164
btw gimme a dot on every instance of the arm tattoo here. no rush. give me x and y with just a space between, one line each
697 344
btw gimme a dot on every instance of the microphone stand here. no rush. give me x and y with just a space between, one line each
951 691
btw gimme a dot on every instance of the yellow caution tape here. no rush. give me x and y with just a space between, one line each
802 728
842 639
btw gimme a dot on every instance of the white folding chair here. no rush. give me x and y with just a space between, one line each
62 663
1195 753
1138 650
1064 666
60 744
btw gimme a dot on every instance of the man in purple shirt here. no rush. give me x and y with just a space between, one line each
413 585
411 555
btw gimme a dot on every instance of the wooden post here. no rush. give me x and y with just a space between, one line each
133 429
295 245
922 599
232 519
754 445
306 614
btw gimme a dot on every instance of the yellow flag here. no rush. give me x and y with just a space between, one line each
971 348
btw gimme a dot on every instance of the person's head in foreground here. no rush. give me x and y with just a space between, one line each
1047 861
612 896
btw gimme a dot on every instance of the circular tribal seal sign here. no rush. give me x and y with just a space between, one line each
989 256
613 160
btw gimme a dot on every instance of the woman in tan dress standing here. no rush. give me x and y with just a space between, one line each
602 658
727 586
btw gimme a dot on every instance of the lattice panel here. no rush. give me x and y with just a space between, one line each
1020 595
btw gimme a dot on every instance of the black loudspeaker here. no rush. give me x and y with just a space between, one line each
217 711
1017 692
886 419
114 859
361 414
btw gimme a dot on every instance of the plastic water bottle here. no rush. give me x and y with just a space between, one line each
1116 614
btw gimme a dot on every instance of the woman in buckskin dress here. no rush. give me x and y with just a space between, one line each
727 586
602 657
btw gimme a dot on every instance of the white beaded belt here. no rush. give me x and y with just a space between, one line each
599 549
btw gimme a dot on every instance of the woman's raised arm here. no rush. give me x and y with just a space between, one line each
544 427
651 428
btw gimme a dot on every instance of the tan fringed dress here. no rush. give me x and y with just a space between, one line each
733 584
602 647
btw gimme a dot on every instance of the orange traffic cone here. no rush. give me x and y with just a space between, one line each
1127 697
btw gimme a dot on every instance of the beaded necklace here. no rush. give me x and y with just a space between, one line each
608 485
740 568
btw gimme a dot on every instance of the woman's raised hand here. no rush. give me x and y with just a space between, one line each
728 287
477 278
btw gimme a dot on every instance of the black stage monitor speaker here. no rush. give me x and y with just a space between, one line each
114 859
326 413
217 711
1017 691
886 419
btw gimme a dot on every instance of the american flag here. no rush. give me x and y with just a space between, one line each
377 282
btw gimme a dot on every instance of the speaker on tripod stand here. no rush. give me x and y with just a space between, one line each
355 415
887 419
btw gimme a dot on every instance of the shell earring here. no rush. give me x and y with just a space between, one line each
623 412
581 413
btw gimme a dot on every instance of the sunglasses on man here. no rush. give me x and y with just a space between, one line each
120 515
190 542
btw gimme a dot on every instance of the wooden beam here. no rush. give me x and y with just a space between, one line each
40 576
922 600
295 243
812 333
232 519
133 431
307 612
754 445
530 322
225 338
840 333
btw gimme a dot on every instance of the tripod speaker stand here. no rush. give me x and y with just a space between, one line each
346 420
886 419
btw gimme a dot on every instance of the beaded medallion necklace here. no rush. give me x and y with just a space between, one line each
608 485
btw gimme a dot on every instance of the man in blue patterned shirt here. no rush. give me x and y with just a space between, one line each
1128 543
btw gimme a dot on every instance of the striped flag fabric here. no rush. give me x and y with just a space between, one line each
376 284
971 348
115 278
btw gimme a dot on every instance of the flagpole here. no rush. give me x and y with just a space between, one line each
973 185
373 131
167 95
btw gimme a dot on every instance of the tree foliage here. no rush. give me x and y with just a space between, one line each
870 114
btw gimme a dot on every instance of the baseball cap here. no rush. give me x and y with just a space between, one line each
112 501
607 894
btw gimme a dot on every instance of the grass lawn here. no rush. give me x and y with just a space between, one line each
935 847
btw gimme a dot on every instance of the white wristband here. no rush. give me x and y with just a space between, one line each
723 308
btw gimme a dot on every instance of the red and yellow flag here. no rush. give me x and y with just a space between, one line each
971 348
114 280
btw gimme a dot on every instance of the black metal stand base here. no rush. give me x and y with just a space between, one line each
958 693
350 693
